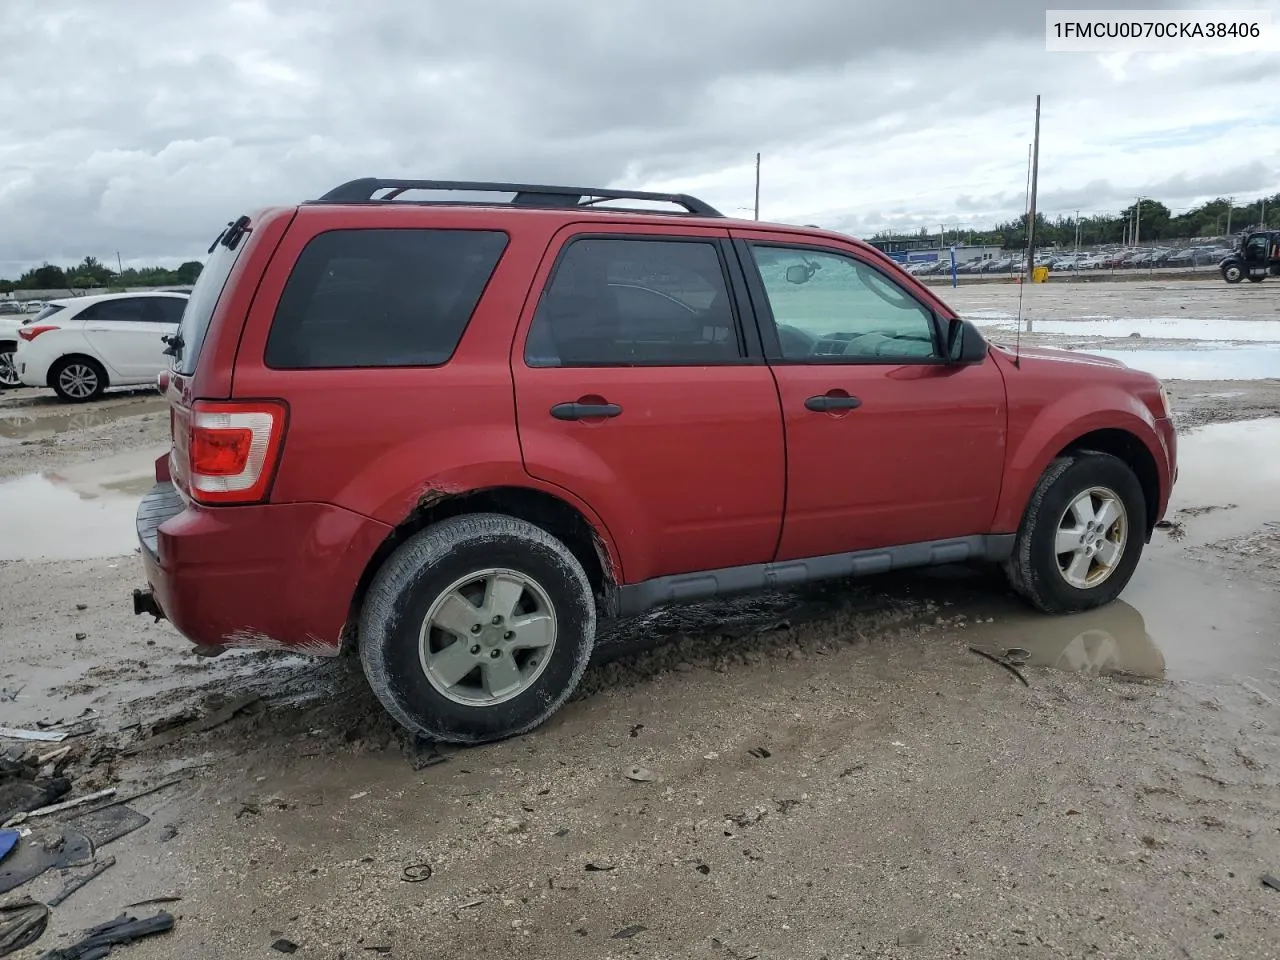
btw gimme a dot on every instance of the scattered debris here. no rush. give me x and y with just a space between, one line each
36 854
59 807
285 946
53 756
153 902
185 715
168 833
760 753
210 720
1017 655
22 923
425 753
1002 662
122 930
703 869
8 840
635 731
106 824
599 868
75 883
626 933
416 873
43 736
248 809
1270 881
639 774
360 796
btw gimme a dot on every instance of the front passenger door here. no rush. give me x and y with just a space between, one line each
887 444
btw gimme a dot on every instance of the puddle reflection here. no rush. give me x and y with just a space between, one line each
1111 640
82 512
39 422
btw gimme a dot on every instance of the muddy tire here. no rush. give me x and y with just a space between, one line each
1232 273
1081 535
78 379
477 629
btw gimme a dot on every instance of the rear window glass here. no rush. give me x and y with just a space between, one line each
199 307
46 313
369 298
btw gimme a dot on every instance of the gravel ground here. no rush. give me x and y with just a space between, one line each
829 773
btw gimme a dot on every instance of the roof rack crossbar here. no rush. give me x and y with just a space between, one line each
525 194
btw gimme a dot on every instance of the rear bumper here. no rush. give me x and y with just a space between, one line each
268 576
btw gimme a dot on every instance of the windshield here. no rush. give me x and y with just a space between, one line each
199 311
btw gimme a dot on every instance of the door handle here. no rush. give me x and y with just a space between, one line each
826 404
584 411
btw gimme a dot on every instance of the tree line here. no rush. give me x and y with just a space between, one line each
91 272
1155 222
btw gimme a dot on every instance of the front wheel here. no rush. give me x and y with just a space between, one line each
477 629
77 379
1232 273
1081 536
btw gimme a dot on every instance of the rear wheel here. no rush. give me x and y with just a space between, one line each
477 629
1082 534
77 379
8 369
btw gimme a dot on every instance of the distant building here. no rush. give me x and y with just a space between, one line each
926 251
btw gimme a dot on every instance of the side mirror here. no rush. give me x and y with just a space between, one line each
965 344
799 273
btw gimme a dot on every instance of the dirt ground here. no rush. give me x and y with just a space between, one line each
825 773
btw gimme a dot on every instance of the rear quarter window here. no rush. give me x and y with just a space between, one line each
371 298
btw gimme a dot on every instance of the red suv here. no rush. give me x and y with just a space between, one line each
458 433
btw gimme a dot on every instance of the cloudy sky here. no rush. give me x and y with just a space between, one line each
141 126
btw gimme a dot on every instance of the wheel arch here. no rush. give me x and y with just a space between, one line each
57 364
1130 450
564 521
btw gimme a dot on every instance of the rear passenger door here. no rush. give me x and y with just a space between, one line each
640 389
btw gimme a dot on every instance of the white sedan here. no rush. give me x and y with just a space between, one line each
83 345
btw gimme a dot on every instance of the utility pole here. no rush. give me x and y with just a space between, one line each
119 265
1231 202
1137 220
1076 254
1031 206
757 186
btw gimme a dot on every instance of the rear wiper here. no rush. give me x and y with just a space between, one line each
231 234
175 345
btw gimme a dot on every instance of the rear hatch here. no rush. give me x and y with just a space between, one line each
203 349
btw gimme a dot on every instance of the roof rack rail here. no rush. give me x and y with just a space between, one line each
525 194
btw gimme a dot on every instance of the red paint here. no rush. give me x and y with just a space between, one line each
707 467
270 570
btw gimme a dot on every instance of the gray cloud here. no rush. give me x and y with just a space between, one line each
156 122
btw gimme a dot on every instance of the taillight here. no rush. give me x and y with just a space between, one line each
30 333
233 449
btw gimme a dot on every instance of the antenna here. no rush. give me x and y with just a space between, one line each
1033 176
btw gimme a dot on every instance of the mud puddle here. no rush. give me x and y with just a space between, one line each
83 512
44 418
1208 362
1178 618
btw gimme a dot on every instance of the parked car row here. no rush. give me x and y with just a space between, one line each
80 346
1126 258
